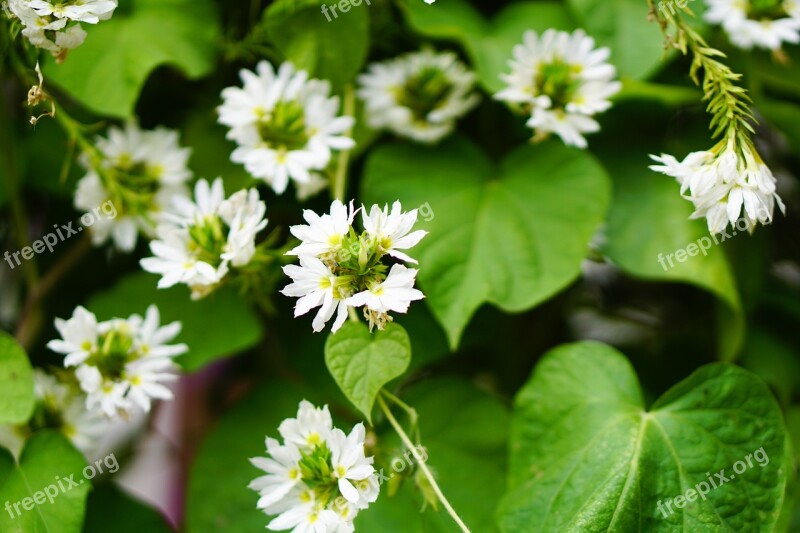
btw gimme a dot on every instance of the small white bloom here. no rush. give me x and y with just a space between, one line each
325 233
89 11
562 80
757 23
126 363
395 293
316 286
724 187
419 95
318 479
392 231
285 124
200 241
141 172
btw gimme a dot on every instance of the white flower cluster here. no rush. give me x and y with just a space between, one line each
55 26
418 95
60 406
285 125
724 186
200 241
757 23
319 479
139 172
340 269
562 80
121 364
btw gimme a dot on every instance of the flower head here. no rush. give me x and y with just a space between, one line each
340 268
139 173
418 95
121 364
319 478
562 80
285 124
757 23
200 242
724 187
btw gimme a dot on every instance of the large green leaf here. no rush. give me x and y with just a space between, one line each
334 50
16 382
107 72
465 432
48 480
218 498
512 235
637 45
587 456
489 44
217 326
362 362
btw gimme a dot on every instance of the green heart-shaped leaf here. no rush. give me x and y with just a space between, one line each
511 235
16 382
362 362
587 456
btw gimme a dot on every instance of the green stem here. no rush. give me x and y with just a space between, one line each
413 417
421 463
339 185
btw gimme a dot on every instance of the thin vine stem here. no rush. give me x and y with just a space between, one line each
339 186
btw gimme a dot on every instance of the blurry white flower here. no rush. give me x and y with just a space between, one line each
140 172
127 362
56 26
61 407
562 80
724 187
319 478
757 23
418 95
285 125
200 241
340 268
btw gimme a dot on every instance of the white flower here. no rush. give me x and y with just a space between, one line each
754 23
340 268
391 230
61 407
284 123
562 80
418 95
56 26
200 241
140 173
316 286
318 479
724 187
395 293
126 363
325 233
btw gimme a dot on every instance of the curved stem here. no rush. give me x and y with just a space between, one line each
339 185
421 463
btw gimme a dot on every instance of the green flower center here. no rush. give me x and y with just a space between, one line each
135 184
766 10
559 81
113 353
318 474
424 92
284 128
208 238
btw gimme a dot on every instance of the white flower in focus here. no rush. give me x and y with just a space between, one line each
316 286
285 124
562 80
318 479
724 187
146 169
418 95
325 233
395 293
757 23
392 231
127 363
201 240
